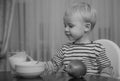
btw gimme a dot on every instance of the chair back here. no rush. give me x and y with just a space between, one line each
113 53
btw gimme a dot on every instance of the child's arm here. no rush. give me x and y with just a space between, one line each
55 63
105 64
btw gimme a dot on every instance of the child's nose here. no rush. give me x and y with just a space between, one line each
66 28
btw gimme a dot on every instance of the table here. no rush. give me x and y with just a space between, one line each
7 76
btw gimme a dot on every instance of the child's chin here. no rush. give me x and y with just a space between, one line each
71 39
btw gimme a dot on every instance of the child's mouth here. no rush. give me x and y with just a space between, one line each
68 34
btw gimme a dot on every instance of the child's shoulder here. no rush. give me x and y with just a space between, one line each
67 44
98 45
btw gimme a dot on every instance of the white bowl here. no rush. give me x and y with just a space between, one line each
29 69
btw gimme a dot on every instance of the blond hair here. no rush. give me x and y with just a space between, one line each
84 11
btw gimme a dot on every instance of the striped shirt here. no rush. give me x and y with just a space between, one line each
91 54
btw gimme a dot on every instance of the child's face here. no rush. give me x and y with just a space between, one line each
74 28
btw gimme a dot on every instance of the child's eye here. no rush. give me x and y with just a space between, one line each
70 25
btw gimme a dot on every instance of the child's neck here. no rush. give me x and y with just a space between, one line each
84 39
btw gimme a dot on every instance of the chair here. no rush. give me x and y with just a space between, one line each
113 53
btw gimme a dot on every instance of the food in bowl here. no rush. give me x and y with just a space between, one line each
29 69
16 58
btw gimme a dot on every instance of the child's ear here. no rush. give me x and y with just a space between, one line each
87 27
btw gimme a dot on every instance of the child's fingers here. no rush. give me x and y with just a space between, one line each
29 58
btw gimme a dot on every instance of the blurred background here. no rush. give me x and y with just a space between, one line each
36 26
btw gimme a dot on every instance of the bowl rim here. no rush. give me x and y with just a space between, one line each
17 65
24 64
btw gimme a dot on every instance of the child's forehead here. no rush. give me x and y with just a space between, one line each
67 19
71 18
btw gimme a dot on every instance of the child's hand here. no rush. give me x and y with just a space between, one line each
29 58
40 62
105 75
107 72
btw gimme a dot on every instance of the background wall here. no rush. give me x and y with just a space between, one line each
38 29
